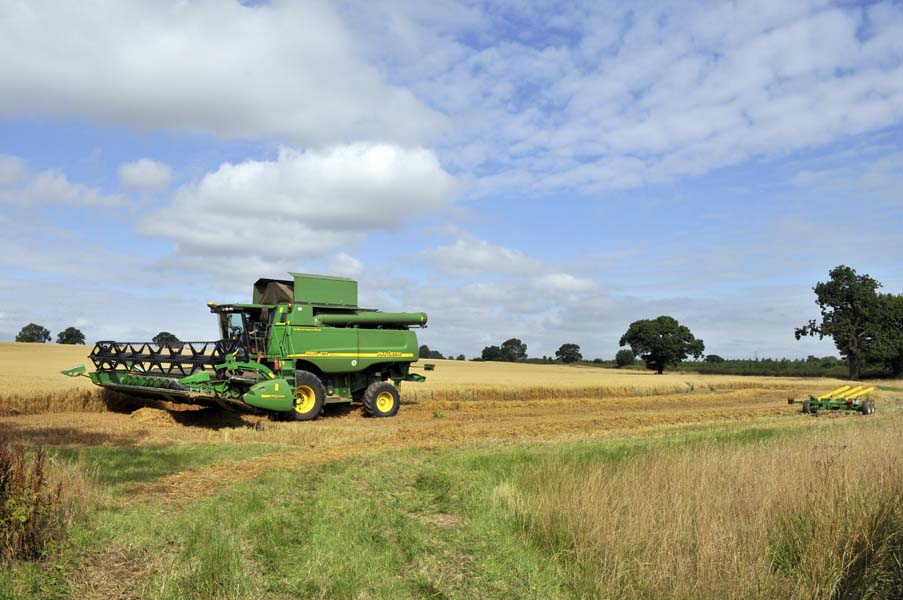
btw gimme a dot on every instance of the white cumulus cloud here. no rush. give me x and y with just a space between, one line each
52 187
145 175
470 255
302 204
288 70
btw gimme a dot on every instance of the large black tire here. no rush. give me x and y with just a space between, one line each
806 410
381 399
309 396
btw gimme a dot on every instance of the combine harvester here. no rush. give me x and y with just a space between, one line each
300 345
843 398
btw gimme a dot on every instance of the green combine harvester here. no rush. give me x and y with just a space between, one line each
300 345
847 398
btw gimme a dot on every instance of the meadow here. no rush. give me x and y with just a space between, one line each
494 480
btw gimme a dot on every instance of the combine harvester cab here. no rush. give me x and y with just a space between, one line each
846 398
301 344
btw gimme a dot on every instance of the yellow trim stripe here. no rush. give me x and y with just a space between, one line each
353 355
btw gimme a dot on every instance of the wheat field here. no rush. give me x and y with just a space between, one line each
707 500
462 381
30 381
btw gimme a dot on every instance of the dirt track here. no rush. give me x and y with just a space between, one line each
343 432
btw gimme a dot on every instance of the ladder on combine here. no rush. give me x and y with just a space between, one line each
845 398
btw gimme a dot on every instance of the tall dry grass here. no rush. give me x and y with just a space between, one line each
818 515
39 499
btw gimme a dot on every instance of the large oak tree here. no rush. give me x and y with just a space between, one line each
851 314
661 342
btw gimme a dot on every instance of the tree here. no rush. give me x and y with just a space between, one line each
164 337
661 342
888 344
624 357
33 333
461 357
513 350
492 353
70 335
850 313
568 353
713 359
425 352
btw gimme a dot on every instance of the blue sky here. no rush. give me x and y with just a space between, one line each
550 171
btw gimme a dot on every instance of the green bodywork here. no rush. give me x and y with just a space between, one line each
310 323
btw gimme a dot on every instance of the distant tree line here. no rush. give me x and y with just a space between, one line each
511 350
865 325
425 352
659 342
38 334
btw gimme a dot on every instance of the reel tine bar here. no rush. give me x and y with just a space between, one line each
174 359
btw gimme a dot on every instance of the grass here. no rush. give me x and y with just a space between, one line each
509 486
817 515
117 465
699 511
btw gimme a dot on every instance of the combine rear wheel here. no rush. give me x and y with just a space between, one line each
381 399
309 396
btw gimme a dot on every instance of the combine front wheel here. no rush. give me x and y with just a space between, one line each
309 396
381 399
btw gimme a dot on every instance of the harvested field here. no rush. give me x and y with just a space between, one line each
502 404
166 482
30 382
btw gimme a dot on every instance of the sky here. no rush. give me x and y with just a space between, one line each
550 171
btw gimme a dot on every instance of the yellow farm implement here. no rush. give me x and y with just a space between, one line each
843 398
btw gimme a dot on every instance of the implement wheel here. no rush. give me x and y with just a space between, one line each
309 396
806 409
381 399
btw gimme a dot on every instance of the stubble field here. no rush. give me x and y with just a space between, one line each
493 480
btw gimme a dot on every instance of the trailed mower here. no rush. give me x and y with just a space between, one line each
845 398
301 344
